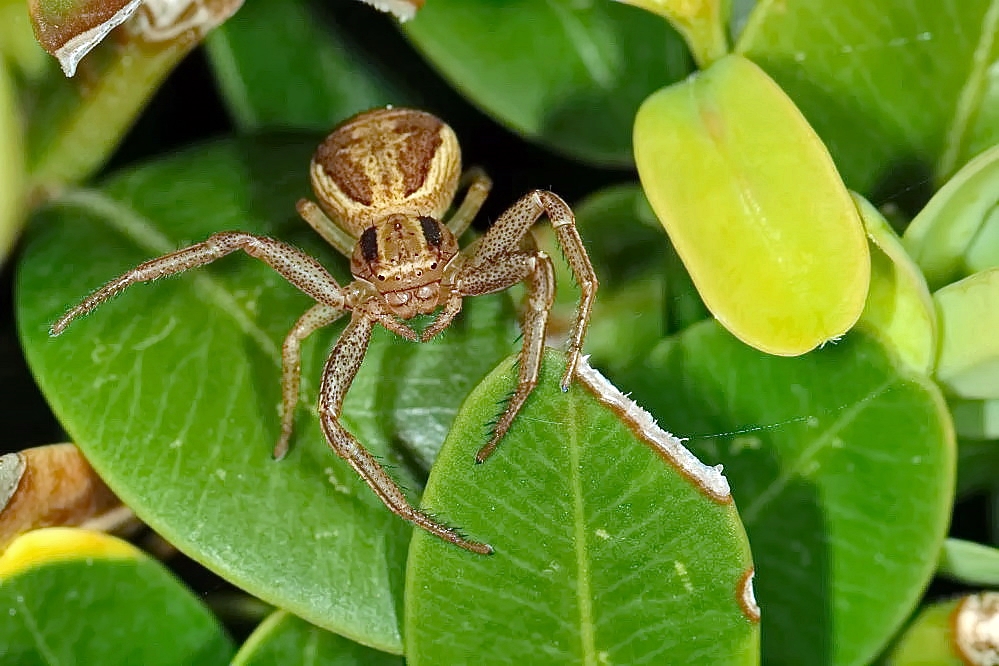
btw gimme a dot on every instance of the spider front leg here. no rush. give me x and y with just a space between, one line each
291 263
506 235
341 368
318 316
536 270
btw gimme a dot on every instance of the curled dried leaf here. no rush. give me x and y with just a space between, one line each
49 486
71 30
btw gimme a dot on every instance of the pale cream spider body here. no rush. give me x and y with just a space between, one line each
387 177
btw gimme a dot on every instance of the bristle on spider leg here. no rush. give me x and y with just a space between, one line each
457 532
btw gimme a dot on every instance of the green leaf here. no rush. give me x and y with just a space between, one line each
612 543
955 235
968 359
172 389
279 66
899 309
11 165
566 74
70 596
970 563
291 641
754 207
842 466
843 64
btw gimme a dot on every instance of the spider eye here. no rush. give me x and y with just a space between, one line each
431 231
381 277
369 244
433 265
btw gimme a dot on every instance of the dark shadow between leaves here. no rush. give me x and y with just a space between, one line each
905 184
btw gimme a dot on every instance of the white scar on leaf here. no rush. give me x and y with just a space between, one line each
709 479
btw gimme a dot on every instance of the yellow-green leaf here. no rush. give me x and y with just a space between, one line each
702 24
899 308
11 164
70 596
968 358
755 208
956 233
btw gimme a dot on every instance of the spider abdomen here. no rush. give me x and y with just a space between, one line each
383 162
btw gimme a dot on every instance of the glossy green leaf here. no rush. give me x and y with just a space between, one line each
11 164
569 75
984 250
291 641
755 208
172 389
605 551
956 632
70 596
897 90
955 235
842 466
968 359
899 309
970 563
279 66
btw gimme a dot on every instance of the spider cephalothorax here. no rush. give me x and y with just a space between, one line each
404 257
384 181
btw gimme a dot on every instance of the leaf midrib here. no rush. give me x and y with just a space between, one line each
584 597
777 486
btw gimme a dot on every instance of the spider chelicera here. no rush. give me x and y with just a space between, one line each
384 179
